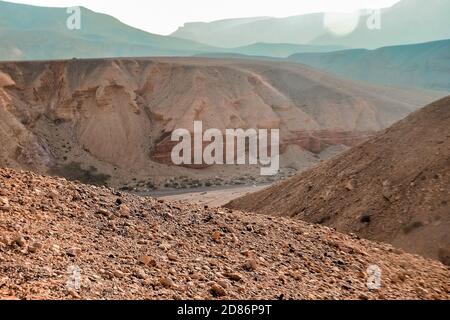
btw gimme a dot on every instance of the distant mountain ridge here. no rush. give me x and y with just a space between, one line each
242 32
40 33
281 50
31 32
273 51
407 22
425 65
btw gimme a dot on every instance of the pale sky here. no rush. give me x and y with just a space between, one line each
165 16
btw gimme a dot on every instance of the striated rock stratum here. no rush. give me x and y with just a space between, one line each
109 121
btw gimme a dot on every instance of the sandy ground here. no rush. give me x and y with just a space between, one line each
214 196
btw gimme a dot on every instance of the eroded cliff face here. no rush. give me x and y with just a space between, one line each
19 146
114 117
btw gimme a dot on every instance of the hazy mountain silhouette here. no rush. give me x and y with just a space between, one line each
30 32
271 51
241 32
425 65
407 22
281 50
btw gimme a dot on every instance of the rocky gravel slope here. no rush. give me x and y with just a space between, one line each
128 247
394 188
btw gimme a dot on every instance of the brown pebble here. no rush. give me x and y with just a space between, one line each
20 241
166 282
218 290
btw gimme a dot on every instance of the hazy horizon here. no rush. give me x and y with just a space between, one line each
165 19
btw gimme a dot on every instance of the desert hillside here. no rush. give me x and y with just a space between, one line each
393 188
109 121
62 240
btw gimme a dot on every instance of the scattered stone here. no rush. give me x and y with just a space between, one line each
218 291
34 247
172 271
350 185
387 190
195 276
363 296
222 283
172 257
140 273
246 253
147 261
103 212
124 211
20 241
118 274
233 276
73 293
4 204
250 265
53 194
296 276
73 252
216 236
166 282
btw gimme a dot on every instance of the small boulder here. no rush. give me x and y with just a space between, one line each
20 241
4 204
166 282
218 291
250 265
34 247
147 261
118 274
217 235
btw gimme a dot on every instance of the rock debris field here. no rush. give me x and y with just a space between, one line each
63 240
